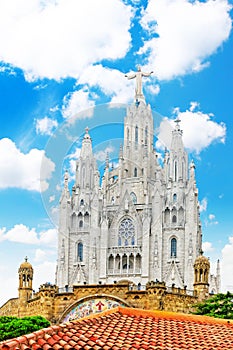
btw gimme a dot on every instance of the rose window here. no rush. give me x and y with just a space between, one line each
126 232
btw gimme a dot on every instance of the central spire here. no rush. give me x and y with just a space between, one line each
138 89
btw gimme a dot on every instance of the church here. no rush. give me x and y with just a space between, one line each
143 223
133 239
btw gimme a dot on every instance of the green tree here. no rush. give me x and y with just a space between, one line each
219 305
11 327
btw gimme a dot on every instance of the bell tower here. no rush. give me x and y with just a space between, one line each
201 280
25 281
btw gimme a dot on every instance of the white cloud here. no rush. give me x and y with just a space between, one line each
111 81
154 89
51 198
102 154
199 130
44 272
78 105
211 216
72 162
207 247
45 126
23 234
227 266
19 170
58 39
40 255
203 205
188 33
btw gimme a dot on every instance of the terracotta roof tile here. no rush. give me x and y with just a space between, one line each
131 329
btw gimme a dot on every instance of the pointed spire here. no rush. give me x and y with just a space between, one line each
107 161
86 144
121 152
177 142
177 121
192 170
66 179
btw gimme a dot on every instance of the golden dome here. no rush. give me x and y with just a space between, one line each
202 260
25 264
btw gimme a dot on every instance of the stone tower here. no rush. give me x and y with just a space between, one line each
25 281
141 223
201 281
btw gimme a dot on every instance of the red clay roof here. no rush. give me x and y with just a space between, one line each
124 328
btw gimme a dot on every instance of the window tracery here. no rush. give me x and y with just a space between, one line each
126 232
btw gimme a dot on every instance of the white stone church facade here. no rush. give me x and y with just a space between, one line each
142 223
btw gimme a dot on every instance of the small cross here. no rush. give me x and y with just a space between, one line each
177 121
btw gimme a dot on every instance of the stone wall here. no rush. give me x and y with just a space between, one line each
54 306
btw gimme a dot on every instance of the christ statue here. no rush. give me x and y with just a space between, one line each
138 75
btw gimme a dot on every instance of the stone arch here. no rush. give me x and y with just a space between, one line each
84 306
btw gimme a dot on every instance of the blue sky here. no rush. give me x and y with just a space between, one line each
63 66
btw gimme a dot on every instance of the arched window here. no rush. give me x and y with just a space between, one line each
175 171
126 232
173 247
174 197
146 135
80 251
133 197
82 202
80 223
83 175
135 172
174 219
136 134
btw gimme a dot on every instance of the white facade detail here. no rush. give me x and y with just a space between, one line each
141 224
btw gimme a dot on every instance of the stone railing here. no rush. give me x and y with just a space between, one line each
136 271
125 250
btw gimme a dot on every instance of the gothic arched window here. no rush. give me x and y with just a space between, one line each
174 219
173 247
80 251
136 134
80 223
135 172
146 135
174 197
126 232
133 197
175 171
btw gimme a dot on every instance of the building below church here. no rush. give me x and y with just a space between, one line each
86 299
132 240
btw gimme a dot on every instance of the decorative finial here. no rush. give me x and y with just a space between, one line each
192 164
87 130
26 258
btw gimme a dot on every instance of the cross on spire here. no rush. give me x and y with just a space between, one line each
177 121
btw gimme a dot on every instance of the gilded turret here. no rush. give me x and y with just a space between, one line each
201 273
